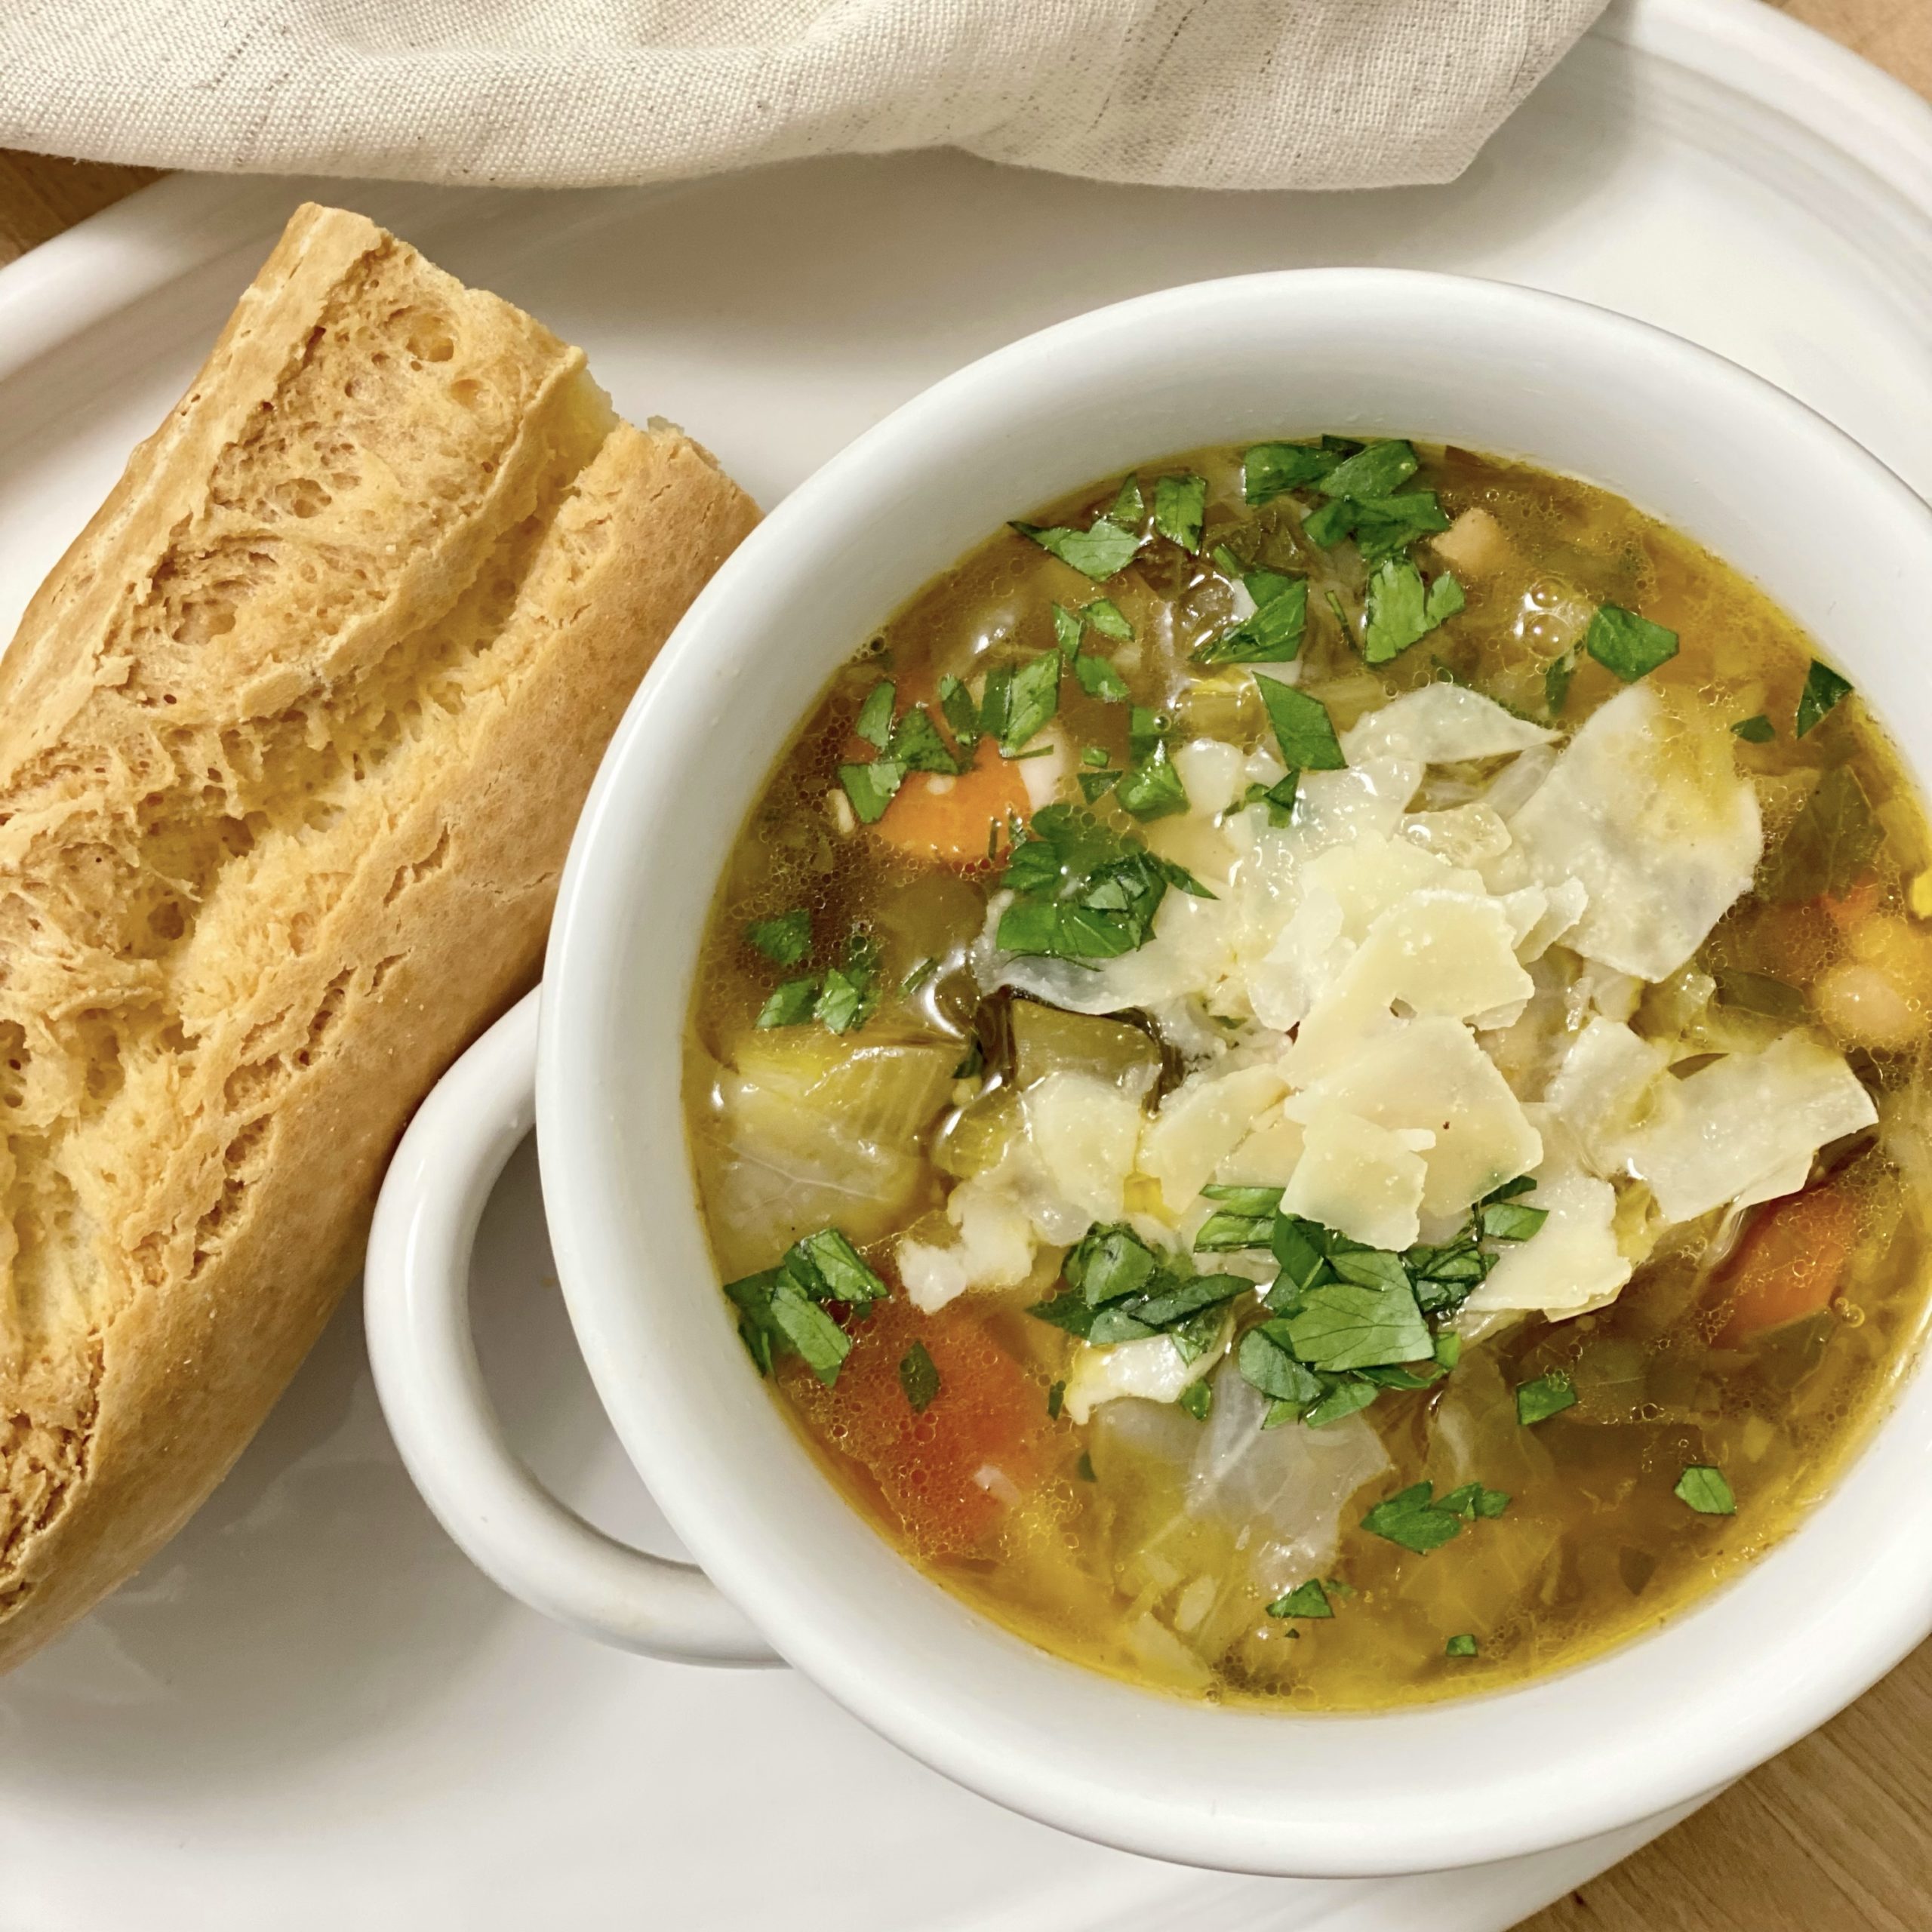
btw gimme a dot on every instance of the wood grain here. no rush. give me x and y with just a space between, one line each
1835 1835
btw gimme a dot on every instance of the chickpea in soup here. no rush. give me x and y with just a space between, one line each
1310 1079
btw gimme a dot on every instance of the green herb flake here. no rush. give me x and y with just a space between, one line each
1244 1217
1632 646
961 713
1152 788
1096 785
1705 1490
779 1318
1034 700
791 1005
917 745
1266 1360
1272 635
1346 1397
1510 1220
1306 1600
1056 1401
784 940
1757 730
1081 890
1278 799
918 1375
1106 618
1472 1500
1269 470
1386 526
1400 610
1824 691
1097 553
1373 471
1352 1324
1548 1396
1463 1646
874 723
827 1267
1412 1520
1099 679
1556 676
1180 507
1303 728
1197 1399
1067 628
1129 506
872 787
849 995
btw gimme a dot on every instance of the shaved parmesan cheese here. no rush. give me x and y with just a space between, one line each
1646 808
1563 904
1153 1369
1336 807
1267 1158
1602 1089
1746 1127
1429 1073
1440 724
1365 1180
1298 967
1200 1123
1518 781
1570 1265
1085 1133
1433 952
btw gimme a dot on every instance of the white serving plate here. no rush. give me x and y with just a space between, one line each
310 1712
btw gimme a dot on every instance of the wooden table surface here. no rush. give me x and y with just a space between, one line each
1835 1835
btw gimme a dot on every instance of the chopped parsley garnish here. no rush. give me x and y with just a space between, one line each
1245 1218
1373 471
1303 728
1129 506
1411 1518
1462 1646
1382 526
1081 889
1120 1290
1510 1220
1556 676
1180 507
1308 1599
873 722
784 940
781 1310
918 1375
1548 1396
1349 1324
791 1003
1630 645
1198 1399
1757 730
1400 610
1472 1500
1106 618
1279 798
1152 789
1269 470
1824 691
1093 755
961 713
1705 1489
1097 675
1095 785
1097 553
872 787
1273 635
850 994
1032 702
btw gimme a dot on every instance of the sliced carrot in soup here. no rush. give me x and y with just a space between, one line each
951 820
1790 1263
951 1475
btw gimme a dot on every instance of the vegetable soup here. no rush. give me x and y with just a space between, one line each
1310 1079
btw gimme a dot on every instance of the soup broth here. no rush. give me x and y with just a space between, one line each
1309 1078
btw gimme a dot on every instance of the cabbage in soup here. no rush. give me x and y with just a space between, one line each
1309 1078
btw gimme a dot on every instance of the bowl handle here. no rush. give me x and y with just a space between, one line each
416 1295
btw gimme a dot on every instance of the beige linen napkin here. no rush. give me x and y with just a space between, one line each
1213 93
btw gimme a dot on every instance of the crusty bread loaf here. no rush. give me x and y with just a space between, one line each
291 743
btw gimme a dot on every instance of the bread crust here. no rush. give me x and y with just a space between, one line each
291 744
